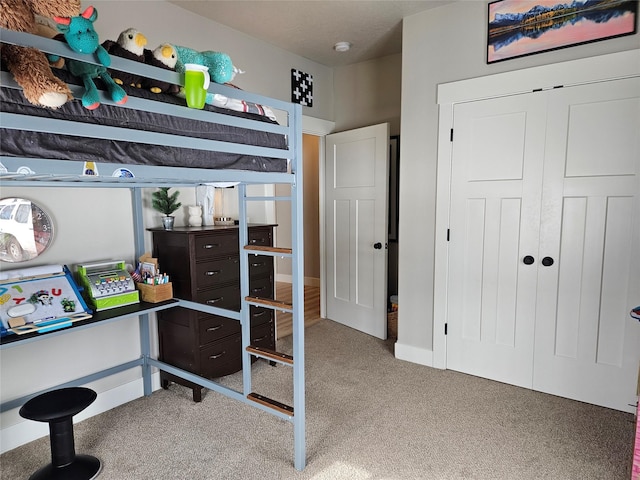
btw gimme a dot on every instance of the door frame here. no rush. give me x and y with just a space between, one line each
546 77
320 128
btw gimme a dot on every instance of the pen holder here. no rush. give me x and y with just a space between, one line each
155 293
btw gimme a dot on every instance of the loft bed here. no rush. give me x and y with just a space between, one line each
161 142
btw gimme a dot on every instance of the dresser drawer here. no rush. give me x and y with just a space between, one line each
219 244
215 272
261 287
214 327
260 265
260 236
223 297
222 358
262 336
259 315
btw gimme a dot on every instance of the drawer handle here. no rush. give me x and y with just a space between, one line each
211 273
259 314
255 340
258 264
259 289
256 240
215 300
215 357
213 329
209 246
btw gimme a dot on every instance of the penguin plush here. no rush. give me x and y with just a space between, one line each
163 56
130 45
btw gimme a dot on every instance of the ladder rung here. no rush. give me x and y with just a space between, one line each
271 303
268 402
270 354
263 248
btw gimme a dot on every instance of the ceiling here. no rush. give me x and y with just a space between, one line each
311 28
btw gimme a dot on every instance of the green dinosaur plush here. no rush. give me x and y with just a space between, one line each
82 38
221 69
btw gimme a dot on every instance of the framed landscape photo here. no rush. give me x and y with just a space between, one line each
524 27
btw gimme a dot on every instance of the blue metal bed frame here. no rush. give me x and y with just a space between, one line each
64 173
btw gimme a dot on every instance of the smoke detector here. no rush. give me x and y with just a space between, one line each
342 47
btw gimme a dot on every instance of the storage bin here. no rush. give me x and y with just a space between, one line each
155 293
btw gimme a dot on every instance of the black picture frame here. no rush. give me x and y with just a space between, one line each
518 28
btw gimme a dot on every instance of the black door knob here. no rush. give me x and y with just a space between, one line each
377 245
547 261
528 260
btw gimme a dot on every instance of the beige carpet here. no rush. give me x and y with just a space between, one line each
369 417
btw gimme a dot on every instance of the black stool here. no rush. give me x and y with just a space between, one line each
58 407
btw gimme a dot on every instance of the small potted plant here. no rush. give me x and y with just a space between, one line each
165 203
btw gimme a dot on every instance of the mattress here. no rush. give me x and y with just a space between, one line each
30 144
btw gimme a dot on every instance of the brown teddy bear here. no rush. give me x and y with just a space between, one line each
30 66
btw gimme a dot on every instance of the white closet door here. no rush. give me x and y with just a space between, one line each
497 156
587 345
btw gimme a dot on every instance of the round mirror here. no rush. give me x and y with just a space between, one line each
26 230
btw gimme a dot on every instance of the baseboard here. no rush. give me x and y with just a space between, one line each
413 354
27 431
308 281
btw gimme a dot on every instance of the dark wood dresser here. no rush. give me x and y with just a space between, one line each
203 264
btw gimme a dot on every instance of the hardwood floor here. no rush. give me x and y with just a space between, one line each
311 308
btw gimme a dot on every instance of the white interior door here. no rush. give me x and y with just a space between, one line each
356 191
494 223
552 176
591 216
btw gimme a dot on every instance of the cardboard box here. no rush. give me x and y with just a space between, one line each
392 324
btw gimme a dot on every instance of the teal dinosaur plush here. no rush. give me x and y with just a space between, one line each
221 69
82 38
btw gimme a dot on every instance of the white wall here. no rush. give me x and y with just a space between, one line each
95 224
439 46
268 68
368 93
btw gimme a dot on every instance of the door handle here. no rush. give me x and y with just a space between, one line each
547 261
528 260
377 245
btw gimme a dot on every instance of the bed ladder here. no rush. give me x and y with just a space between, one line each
294 413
